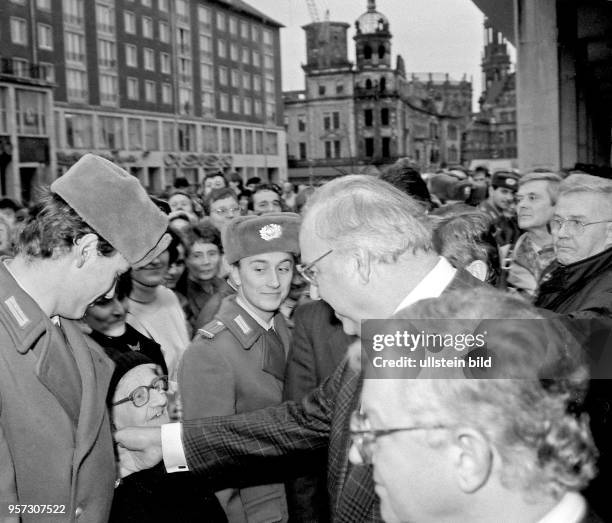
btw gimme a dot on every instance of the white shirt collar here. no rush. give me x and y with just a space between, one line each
432 285
247 307
571 509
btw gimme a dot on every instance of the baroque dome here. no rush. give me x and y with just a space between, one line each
372 21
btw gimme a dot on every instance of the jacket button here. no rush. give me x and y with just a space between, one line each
78 511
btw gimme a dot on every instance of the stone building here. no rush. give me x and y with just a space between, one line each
358 117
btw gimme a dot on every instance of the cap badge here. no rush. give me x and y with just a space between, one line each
271 232
510 181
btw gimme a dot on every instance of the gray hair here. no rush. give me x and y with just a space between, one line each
545 446
552 187
586 183
360 212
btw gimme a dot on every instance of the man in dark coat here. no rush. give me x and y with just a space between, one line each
369 254
578 285
56 448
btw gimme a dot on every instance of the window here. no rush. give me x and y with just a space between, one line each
301 122
208 102
255 33
73 11
30 112
79 131
302 152
77 85
168 136
111 132
246 81
237 141
107 53
131 57
204 16
248 141
21 67
205 44
150 91
43 5
233 25
271 111
267 37
19 31
108 89
327 121
147 27
75 47
386 146
256 82
337 149
149 59
256 59
271 143
183 39
321 90
221 48
236 104
132 88
226 146
336 120
224 102
339 88
164 32
258 142
257 107
328 149
151 135
452 132
162 5
164 62
220 21
234 51
369 147
248 106
184 70
269 85
223 75
47 71
105 18
368 117
209 139
147 3
182 11
206 74
235 78
186 137
384 116
134 134
129 22
244 30
185 102
268 61
166 93
45 37
246 56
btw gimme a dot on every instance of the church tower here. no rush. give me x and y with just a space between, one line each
495 59
372 39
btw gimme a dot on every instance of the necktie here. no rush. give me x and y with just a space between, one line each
274 354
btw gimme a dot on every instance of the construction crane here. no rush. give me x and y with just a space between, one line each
312 9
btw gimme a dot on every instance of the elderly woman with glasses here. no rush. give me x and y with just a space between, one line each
137 396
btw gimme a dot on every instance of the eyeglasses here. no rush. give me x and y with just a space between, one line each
223 211
140 395
306 271
572 226
364 437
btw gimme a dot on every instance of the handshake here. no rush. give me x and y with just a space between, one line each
139 448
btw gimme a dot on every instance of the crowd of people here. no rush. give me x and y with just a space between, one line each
232 313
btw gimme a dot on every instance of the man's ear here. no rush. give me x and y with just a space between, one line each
235 274
86 247
478 269
363 265
473 459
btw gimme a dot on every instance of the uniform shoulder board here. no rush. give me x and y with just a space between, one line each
211 329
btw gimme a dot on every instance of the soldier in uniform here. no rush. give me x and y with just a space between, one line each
500 207
236 363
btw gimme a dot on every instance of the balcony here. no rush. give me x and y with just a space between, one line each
22 69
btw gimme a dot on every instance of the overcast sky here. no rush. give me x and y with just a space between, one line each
431 35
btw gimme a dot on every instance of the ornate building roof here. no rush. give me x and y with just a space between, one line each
372 21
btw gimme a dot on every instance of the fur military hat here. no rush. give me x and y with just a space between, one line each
114 204
505 179
250 235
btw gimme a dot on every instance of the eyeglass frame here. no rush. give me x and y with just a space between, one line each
147 388
580 226
306 270
363 439
224 212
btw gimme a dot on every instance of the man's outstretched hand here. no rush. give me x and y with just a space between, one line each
139 448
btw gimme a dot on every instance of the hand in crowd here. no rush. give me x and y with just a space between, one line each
139 448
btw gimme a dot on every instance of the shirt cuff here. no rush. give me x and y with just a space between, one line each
172 447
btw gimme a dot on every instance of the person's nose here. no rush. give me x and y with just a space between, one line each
157 398
273 280
118 308
354 455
